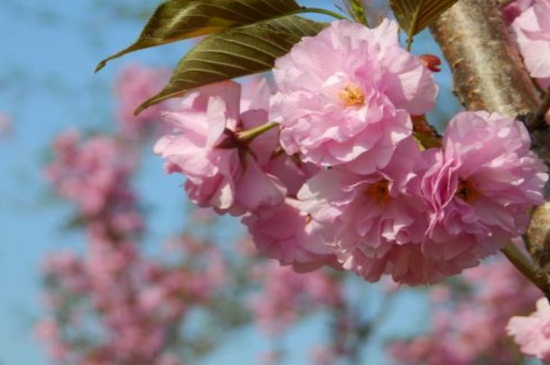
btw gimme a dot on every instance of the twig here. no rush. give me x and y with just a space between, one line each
529 269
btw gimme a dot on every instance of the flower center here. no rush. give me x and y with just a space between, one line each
467 191
379 192
352 95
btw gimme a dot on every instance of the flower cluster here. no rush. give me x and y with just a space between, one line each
133 85
285 294
469 319
132 298
328 167
94 174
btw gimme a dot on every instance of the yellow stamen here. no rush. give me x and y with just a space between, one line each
352 95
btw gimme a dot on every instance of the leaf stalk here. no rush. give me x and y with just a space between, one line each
248 136
322 11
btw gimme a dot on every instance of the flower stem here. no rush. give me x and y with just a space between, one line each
248 136
526 267
543 107
324 12
425 133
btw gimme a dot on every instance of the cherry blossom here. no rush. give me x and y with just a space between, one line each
531 30
469 318
286 294
354 107
480 187
532 333
221 171
287 234
135 84
365 217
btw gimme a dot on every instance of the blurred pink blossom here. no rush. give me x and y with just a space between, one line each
285 294
133 299
94 174
48 331
134 85
6 127
532 333
320 355
469 320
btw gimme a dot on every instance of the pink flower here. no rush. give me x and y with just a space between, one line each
427 216
469 318
480 188
168 359
288 235
321 355
68 269
292 172
94 173
286 294
477 196
220 172
532 34
511 11
369 218
50 334
532 333
345 109
134 85
6 125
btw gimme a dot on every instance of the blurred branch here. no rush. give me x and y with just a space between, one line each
539 116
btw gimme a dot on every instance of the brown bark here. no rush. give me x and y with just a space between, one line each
488 75
487 71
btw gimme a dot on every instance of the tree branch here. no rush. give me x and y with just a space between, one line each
526 267
487 70
488 75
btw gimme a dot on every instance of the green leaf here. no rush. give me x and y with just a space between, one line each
176 20
235 53
415 15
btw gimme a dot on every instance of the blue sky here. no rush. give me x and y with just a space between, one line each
47 85
48 52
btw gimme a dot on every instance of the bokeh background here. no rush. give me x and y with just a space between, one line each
48 51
